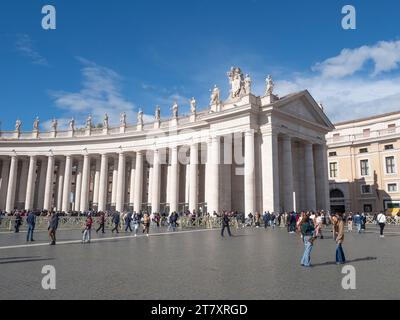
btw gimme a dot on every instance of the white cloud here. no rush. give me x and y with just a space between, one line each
24 45
100 94
385 55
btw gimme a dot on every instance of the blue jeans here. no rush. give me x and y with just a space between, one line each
306 259
359 227
340 258
29 236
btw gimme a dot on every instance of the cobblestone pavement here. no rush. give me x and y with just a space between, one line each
254 264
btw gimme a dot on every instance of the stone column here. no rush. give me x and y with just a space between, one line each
60 186
287 172
311 203
67 185
84 205
270 172
5 170
322 178
103 183
30 185
10 201
193 187
155 200
22 182
48 191
249 174
187 183
114 182
78 186
213 176
132 181
174 180
138 182
41 185
96 186
120 199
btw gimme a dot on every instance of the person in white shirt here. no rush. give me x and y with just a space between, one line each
381 219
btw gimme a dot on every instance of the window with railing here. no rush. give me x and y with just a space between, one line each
392 187
366 189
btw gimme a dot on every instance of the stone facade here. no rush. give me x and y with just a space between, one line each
248 153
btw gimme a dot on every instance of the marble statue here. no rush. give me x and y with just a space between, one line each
270 86
36 124
105 121
89 122
72 124
18 124
158 113
247 84
215 96
236 82
193 105
140 117
175 109
54 124
122 119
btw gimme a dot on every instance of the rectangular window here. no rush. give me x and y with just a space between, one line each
333 169
367 208
392 128
364 150
364 168
390 165
366 133
392 187
336 137
332 154
389 147
366 189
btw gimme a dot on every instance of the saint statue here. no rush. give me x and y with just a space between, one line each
140 117
89 122
158 113
247 84
18 124
270 86
175 108
105 121
54 124
36 124
236 82
193 105
122 119
215 94
72 124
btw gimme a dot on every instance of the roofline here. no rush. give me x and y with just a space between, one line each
367 118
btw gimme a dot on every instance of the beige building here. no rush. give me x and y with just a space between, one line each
363 164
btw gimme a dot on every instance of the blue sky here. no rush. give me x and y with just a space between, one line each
120 55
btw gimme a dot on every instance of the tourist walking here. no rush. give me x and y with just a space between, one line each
136 222
350 223
18 222
266 220
307 231
146 224
172 221
225 224
339 226
273 220
31 221
116 220
102 222
128 219
53 225
381 219
88 229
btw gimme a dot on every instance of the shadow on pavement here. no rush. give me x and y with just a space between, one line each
330 263
22 260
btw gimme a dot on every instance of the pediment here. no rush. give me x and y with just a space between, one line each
304 107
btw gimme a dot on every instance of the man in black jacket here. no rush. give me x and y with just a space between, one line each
31 221
225 224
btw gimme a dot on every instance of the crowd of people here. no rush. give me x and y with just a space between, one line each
309 225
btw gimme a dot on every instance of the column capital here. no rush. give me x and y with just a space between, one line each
286 137
249 132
